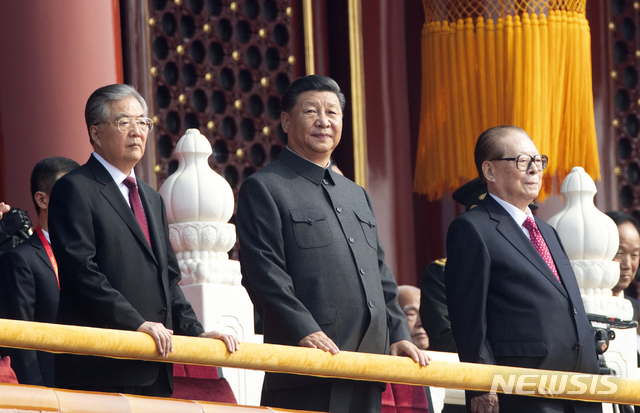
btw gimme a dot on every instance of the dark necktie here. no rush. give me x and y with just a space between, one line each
136 205
540 244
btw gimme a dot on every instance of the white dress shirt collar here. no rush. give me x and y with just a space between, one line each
117 175
46 235
516 213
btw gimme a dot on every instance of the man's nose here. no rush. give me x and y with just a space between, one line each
322 121
135 129
625 262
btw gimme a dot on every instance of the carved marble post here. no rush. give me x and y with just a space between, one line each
591 240
199 205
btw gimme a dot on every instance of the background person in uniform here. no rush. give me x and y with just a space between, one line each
311 258
28 277
512 295
117 268
433 300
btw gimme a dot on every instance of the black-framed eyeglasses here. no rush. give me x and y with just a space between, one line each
127 123
523 162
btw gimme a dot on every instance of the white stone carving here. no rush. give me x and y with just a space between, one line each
199 205
591 240
195 192
587 233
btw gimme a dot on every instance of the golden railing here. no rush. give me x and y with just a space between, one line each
298 360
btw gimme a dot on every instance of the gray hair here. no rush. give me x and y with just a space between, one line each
97 110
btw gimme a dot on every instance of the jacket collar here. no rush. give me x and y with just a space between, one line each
112 194
35 242
306 168
508 228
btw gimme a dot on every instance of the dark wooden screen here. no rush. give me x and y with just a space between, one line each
624 27
221 67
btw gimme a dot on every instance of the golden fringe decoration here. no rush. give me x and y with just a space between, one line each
527 64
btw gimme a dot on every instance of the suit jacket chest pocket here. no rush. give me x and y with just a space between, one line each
369 227
311 228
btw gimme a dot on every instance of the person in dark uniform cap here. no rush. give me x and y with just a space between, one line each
433 303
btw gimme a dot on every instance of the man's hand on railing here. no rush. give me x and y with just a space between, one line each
161 335
230 341
407 348
319 340
485 403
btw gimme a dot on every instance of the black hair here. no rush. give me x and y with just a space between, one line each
45 174
317 83
620 218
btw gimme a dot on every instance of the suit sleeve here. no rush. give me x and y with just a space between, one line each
264 267
18 295
73 241
397 320
467 278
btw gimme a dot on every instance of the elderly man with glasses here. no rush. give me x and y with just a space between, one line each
512 295
117 269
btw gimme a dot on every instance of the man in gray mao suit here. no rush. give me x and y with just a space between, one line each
311 258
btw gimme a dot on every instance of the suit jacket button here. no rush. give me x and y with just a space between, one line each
575 311
371 304
163 311
362 272
352 240
576 346
339 209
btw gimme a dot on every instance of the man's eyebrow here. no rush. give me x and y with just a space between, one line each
126 115
409 308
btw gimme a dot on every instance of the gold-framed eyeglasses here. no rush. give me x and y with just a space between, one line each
524 162
127 123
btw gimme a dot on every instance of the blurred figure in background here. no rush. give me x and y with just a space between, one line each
29 287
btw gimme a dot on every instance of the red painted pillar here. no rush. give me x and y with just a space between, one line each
388 134
53 54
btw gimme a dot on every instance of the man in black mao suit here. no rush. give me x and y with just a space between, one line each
311 258
28 281
506 305
117 267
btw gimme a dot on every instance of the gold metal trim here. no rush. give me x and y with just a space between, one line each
307 18
357 93
149 160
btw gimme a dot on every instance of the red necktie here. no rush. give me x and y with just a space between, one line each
136 205
540 244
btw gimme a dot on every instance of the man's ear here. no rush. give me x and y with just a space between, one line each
94 131
41 199
488 171
284 121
